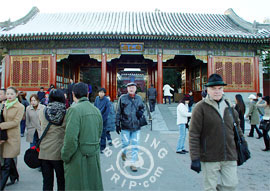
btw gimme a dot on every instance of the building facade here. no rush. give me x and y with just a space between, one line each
42 49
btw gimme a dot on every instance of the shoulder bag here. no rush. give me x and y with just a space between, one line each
31 154
265 125
142 119
3 133
242 148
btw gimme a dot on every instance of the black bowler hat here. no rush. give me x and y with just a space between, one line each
215 80
131 84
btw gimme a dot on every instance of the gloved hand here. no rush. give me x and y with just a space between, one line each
196 165
139 114
118 129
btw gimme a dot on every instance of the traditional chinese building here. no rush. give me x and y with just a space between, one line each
95 47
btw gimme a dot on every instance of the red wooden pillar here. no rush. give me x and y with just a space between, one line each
7 71
110 82
159 79
209 65
103 71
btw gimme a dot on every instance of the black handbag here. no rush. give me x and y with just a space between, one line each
3 133
31 154
242 148
264 125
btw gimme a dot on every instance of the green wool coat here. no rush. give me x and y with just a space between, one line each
80 151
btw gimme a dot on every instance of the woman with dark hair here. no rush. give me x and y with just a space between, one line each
32 120
13 114
182 119
241 109
51 145
266 120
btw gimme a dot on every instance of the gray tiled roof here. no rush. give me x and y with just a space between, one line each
131 25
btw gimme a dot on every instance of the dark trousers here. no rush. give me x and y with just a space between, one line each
266 139
152 103
169 97
8 170
35 139
108 136
103 140
22 126
48 167
257 130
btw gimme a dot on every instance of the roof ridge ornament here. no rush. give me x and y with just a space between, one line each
240 22
7 25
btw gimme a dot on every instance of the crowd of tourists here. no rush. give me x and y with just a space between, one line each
75 132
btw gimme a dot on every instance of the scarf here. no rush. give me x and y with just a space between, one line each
10 104
55 113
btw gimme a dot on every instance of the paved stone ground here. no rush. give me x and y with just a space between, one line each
169 171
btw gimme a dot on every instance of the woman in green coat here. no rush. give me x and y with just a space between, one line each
80 152
253 113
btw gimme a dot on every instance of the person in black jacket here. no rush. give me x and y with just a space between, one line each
41 93
191 101
241 109
152 94
129 110
70 87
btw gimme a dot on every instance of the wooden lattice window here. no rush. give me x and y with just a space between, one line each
30 71
238 73
247 73
228 72
16 72
219 68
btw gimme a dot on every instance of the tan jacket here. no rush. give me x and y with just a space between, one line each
32 122
52 143
12 117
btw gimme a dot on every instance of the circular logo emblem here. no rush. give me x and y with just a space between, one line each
143 155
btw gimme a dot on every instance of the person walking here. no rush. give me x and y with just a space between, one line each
13 113
129 111
70 87
41 93
240 107
32 120
191 101
103 104
51 144
211 138
110 127
23 100
260 109
152 95
81 149
266 120
253 113
182 119
167 93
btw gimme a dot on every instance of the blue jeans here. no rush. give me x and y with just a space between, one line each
169 97
133 138
182 137
22 127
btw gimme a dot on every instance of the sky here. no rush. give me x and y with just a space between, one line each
249 10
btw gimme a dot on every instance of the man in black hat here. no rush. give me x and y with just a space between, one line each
103 104
211 138
129 110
